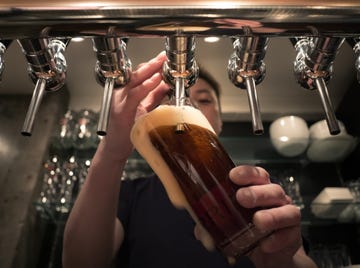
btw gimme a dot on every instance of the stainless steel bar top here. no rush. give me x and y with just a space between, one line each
20 19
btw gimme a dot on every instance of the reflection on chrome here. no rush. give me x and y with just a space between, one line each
43 29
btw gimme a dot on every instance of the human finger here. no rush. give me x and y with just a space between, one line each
138 93
247 175
202 235
268 195
146 70
277 218
155 97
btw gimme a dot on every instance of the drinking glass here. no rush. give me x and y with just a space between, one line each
184 151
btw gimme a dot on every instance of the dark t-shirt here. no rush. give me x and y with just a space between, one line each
157 235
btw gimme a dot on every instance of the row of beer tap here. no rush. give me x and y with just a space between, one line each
313 69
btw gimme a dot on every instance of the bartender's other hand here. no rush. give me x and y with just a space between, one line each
143 93
276 214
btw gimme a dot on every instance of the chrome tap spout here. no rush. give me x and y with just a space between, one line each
313 68
181 63
246 69
4 44
113 70
47 68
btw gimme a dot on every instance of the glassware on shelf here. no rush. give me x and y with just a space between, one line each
50 187
354 187
352 211
63 138
85 136
292 188
286 177
62 180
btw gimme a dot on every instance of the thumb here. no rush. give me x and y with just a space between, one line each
202 234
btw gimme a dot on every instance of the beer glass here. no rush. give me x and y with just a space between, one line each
183 150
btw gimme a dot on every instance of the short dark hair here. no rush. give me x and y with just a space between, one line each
208 77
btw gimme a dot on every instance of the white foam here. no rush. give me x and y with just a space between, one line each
171 115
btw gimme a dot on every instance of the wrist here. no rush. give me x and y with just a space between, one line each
114 153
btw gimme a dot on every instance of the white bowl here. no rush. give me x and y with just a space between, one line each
289 135
325 147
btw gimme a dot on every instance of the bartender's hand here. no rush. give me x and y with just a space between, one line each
283 248
143 93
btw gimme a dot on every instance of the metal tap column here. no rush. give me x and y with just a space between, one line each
47 68
355 44
313 68
246 69
113 70
4 44
181 67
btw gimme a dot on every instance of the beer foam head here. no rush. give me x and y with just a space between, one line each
171 115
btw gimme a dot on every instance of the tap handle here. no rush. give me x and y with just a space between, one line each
4 44
246 69
113 70
331 120
180 51
355 44
105 106
112 61
58 50
313 67
37 96
2 65
46 60
47 68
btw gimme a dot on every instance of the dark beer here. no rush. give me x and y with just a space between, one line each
197 169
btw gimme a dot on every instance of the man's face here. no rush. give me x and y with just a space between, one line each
203 97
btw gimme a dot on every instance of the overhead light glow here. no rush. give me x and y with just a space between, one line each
77 39
211 39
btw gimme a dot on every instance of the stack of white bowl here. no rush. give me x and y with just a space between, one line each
291 136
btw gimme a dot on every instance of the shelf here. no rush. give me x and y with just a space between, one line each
259 149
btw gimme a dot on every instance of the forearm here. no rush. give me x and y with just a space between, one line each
89 233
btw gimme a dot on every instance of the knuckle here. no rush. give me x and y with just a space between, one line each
247 174
263 173
264 220
296 214
246 197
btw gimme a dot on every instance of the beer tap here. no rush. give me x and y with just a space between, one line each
4 44
246 69
355 44
113 70
313 68
180 71
47 68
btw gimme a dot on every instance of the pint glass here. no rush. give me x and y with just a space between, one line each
183 150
